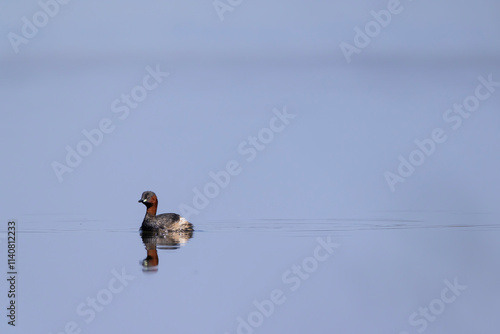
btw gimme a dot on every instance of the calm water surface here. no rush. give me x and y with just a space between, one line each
357 266
388 272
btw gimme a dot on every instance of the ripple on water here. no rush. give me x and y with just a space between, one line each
398 220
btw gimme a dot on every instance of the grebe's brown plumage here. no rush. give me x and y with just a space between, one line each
162 222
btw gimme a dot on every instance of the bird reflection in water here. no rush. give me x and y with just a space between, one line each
161 240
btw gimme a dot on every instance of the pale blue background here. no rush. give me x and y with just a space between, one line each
353 121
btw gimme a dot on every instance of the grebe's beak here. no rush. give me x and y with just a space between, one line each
142 201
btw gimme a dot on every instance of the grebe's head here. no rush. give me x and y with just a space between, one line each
148 198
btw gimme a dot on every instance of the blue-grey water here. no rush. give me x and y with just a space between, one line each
329 192
384 274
